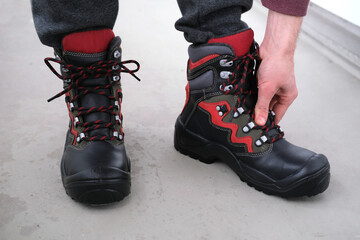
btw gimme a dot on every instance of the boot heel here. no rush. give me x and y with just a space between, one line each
191 145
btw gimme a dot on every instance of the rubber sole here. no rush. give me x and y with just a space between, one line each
98 191
206 151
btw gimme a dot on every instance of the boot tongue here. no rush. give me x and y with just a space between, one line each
239 42
83 49
86 48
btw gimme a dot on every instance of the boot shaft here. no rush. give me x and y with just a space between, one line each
91 66
222 94
210 66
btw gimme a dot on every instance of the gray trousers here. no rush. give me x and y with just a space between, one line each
200 21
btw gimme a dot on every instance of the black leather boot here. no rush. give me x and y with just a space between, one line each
217 122
95 168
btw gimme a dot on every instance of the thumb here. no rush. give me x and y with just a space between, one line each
265 96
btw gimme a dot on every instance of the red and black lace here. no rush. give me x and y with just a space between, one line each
242 82
76 75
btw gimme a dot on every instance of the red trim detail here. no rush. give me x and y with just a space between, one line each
187 89
218 120
202 61
240 42
94 41
72 130
118 93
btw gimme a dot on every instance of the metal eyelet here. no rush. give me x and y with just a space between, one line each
117 54
225 74
248 127
76 121
226 63
239 111
81 137
222 110
261 141
116 78
117 118
218 108
117 105
226 88
65 70
71 106
116 67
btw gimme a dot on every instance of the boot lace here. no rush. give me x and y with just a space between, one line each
75 75
242 83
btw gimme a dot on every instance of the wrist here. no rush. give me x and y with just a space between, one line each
280 35
270 50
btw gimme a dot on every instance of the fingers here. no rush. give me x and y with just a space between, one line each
276 87
281 106
273 102
265 96
279 102
280 110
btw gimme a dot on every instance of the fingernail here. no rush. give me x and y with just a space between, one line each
261 121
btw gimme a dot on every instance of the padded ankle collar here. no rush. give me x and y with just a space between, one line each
94 41
240 42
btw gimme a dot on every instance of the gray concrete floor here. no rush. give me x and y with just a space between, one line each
173 196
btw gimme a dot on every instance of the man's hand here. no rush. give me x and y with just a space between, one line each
276 78
277 86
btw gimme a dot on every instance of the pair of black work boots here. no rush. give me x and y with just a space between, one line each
216 124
